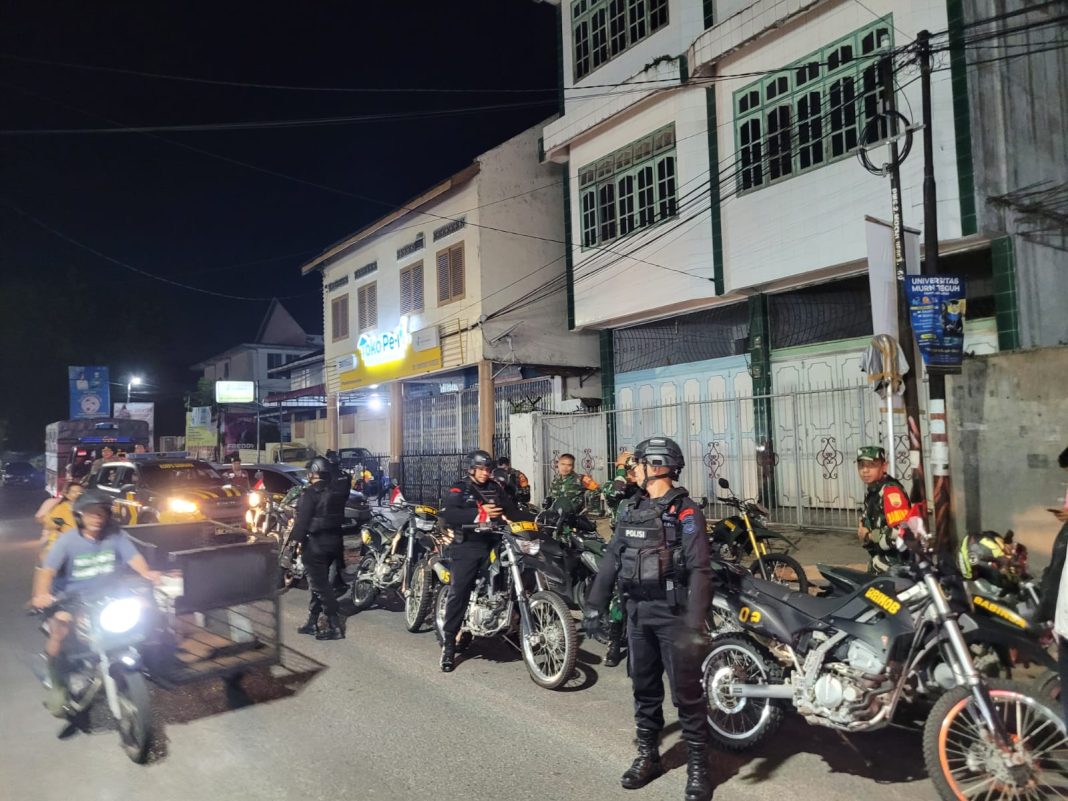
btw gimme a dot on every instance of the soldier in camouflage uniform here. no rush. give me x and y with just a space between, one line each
569 486
886 505
621 487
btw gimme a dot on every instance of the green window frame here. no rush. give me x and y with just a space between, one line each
811 113
629 189
602 29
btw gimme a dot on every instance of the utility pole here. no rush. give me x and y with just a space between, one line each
904 322
936 378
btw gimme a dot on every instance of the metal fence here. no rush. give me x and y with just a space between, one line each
426 477
795 453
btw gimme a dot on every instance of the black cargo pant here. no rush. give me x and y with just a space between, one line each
657 642
466 560
321 550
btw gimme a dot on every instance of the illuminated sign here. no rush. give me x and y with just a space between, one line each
235 391
384 347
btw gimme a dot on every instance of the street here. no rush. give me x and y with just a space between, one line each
371 717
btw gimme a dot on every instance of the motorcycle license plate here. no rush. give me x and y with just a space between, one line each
524 525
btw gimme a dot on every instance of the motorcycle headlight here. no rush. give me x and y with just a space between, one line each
365 535
425 525
254 499
529 547
181 506
121 615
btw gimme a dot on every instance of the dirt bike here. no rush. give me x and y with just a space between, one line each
847 662
103 652
745 536
512 598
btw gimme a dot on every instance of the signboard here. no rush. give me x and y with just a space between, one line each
936 307
139 411
386 355
199 432
235 391
90 392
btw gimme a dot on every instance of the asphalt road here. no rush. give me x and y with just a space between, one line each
371 717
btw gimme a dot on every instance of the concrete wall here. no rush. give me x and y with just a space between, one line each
517 193
1008 421
1019 115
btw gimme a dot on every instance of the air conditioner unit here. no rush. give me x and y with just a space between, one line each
346 363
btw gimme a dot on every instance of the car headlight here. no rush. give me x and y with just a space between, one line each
121 615
181 506
254 499
529 547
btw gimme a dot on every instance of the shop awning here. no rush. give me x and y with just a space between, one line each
319 390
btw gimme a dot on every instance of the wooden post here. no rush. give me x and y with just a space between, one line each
331 420
396 428
486 406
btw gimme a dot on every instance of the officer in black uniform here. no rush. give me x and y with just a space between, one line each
515 481
659 555
317 528
470 507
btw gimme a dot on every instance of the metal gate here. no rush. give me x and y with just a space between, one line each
805 474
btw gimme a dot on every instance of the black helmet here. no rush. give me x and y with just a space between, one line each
320 465
660 452
478 458
89 498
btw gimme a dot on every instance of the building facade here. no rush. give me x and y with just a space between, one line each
711 152
437 315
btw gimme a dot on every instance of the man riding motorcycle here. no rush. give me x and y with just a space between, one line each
470 507
87 557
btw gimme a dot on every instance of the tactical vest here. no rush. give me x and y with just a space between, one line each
649 563
329 507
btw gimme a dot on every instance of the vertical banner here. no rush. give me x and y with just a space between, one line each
936 307
139 411
90 392
882 278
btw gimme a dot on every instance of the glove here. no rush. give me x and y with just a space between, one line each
592 623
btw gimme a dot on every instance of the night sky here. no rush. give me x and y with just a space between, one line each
202 221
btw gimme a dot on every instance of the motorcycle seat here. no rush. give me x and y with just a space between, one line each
844 579
815 607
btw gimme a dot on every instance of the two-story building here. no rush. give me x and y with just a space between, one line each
722 225
442 316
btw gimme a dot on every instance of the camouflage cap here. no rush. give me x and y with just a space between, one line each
871 453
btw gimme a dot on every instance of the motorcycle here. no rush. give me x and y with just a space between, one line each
745 536
386 564
512 597
103 651
847 662
572 544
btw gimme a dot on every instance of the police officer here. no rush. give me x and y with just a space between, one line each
886 505
659 555
515 481
317 528
471 506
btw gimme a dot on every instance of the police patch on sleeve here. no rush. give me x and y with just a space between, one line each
688 521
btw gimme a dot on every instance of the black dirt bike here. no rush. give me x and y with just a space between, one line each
848 662
745 536
512 597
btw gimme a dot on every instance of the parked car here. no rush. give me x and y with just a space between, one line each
170 489
22 474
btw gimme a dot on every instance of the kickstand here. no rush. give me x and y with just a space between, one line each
867 762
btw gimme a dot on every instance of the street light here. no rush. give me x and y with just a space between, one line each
134 381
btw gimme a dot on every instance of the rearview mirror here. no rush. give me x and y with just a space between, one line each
724 484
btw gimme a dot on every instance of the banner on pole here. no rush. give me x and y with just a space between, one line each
139 411
936 308
90 392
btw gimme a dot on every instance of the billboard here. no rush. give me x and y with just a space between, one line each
235 391
937 306
199 431
139 411
90 392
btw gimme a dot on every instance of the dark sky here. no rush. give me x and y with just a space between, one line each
196 219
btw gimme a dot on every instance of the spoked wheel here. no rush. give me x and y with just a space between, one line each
135 719
417 602
782 569
363 590
965 763
739 723
550 649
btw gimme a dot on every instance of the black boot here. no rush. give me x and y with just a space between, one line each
448 656
698 777
311 625
333 630
646 766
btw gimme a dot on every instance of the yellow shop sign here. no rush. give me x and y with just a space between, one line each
386 355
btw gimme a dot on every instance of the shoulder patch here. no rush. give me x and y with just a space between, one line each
686 514
455 489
